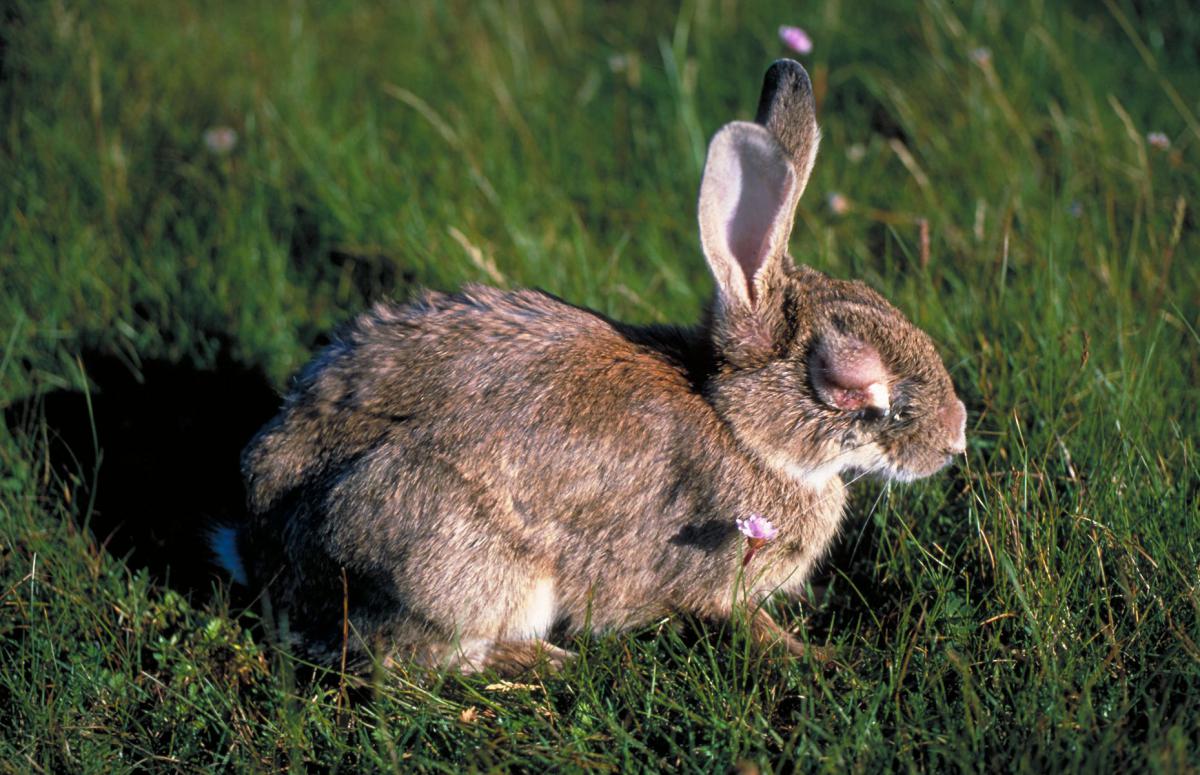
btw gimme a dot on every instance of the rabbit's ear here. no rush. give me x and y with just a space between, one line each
788 110
747 201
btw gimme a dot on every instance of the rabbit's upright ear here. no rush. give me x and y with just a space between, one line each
747 202
788 110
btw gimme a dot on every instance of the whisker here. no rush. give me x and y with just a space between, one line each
867 518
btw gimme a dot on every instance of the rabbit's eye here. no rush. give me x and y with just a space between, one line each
872 414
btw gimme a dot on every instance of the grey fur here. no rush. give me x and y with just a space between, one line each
489 467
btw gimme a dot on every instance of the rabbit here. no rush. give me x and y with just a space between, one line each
457 479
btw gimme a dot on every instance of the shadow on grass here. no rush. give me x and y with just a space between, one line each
153 462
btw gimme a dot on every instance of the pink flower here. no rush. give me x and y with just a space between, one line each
838 203
758 531
1159 140
796 39
220 140
759 527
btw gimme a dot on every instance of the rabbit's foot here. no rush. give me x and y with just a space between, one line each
768 634
515 657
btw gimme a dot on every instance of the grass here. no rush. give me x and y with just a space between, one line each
1036 608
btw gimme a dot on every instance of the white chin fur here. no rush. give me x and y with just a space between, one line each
867 457
895 474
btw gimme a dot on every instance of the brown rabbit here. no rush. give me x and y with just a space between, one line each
486 467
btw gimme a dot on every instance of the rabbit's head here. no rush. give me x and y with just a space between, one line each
817 376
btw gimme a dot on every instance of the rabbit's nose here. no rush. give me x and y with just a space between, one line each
954 418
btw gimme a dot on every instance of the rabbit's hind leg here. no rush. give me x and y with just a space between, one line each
507 658
521 646
506 633
511 658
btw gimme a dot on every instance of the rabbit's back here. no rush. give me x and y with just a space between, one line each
483 374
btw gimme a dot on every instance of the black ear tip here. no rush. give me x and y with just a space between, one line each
786 86
788 109
786 71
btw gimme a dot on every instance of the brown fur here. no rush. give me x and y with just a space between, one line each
491 467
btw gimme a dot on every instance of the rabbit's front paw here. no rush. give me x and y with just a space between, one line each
770 636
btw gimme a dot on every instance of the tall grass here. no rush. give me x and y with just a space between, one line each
1037 608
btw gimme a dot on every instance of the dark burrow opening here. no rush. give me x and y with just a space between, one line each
151 457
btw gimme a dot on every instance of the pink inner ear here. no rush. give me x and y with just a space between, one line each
749 228
849 374
760 210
